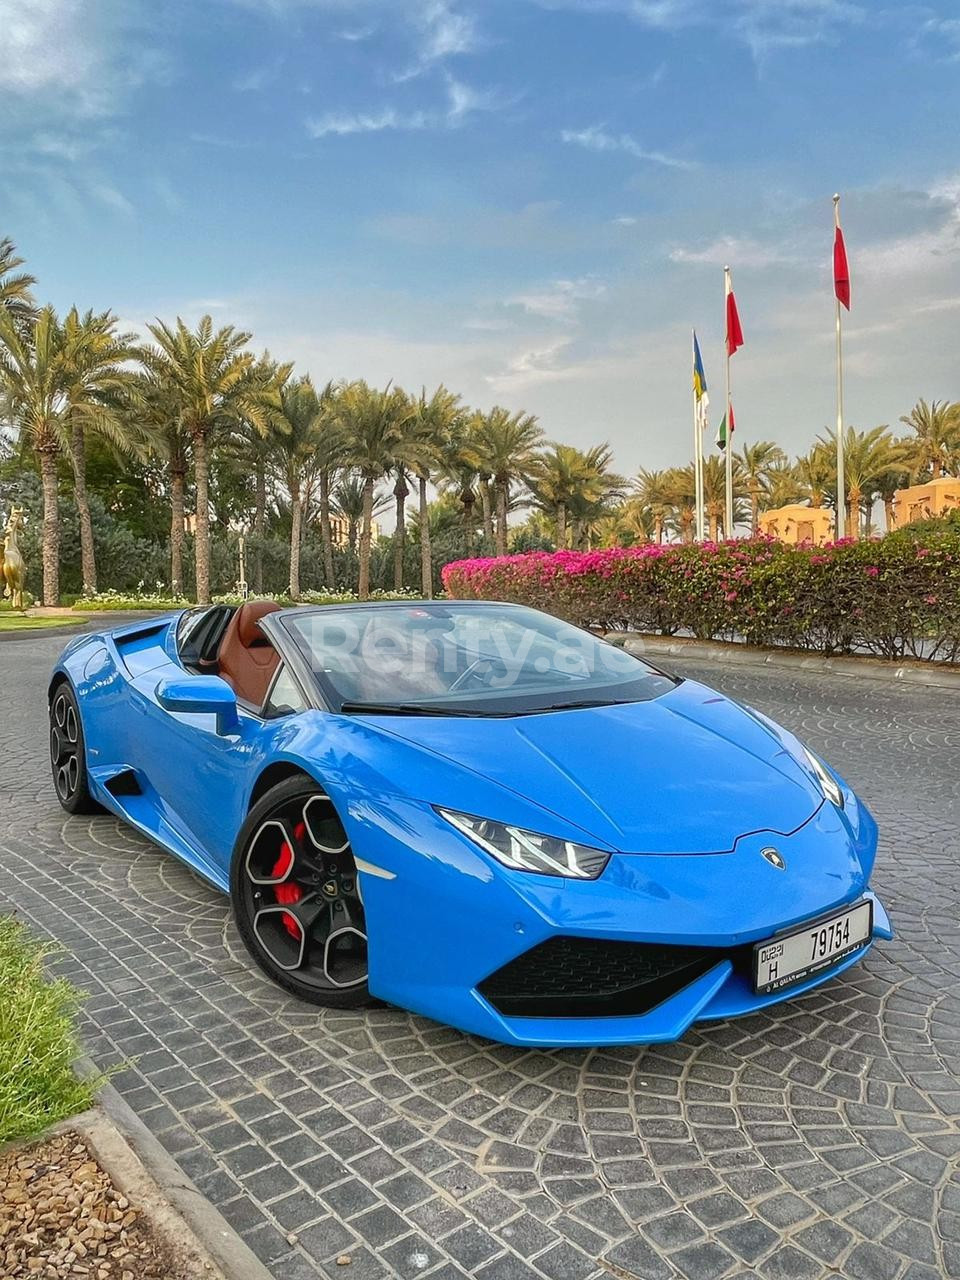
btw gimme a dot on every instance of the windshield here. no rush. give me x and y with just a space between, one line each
464 659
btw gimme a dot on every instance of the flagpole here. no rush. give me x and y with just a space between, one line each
697 450
841 485
728 450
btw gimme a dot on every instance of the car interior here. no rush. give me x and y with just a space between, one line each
228 642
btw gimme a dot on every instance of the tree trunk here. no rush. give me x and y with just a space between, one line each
502 518
296 512
754 507
88 558
259 522
426 551
576 535
400 491
326 531
485 508
561 526
888 512
177 478
467 498
714 525
658 528
51 527
365 538
201 471
853 512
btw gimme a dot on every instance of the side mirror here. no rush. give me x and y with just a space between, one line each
201 695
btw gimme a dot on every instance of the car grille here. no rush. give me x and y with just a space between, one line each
594 977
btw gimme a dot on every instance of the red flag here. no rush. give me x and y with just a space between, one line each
734 332
841 272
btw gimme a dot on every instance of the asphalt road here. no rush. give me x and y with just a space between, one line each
819 1139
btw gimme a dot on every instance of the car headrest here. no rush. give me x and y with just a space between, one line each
248 628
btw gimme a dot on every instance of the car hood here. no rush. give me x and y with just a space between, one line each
689 772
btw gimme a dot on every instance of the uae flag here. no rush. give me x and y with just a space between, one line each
722 429
841 272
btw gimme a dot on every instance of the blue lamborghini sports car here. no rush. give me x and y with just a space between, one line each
474 811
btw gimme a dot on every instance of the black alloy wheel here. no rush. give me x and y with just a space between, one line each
296 896
67 754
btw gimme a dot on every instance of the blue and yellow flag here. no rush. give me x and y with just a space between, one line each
700 386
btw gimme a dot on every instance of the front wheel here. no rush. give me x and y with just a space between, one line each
296 897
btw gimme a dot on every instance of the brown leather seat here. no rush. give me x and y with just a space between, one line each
247 659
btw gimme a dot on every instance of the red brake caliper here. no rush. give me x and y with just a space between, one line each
288 892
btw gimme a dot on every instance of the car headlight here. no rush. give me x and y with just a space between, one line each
828 783
529 851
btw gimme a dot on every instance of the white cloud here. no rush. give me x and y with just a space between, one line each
462 101
559 300
71 58
625 220
597 138
258 78
341 124
734 251
112 198
763 25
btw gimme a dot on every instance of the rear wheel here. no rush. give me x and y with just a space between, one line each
296 896
68 761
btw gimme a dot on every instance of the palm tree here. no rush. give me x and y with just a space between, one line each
867 457
329 459
937 427
214 379
374 423
816 473
434 422
556 476
783 486
458 474
680 486
251 446
33 379
654 492
96 388
347 502
596 489
15 295
295 451
506 446
756 461
156 409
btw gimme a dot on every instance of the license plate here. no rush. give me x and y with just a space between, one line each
790 958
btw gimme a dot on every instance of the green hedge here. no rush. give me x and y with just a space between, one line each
895 597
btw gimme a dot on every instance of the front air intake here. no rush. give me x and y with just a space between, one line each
594 977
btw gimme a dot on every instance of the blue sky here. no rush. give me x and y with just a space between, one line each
529 200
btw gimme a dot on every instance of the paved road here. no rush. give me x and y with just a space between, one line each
818 1139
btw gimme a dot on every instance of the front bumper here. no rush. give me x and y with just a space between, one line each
443 919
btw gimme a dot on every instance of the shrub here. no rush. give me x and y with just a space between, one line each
38 1043
896 597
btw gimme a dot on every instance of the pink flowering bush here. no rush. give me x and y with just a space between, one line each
897 596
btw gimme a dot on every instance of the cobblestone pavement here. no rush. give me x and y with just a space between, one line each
817 1139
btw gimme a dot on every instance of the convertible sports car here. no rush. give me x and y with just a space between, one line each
474 811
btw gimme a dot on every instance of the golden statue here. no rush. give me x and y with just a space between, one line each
14 570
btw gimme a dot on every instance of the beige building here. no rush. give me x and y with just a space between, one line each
798 523
340 531
923 501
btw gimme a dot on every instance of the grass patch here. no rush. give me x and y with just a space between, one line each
38 1039
17 622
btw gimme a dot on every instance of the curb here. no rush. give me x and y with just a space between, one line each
211 1230
914 673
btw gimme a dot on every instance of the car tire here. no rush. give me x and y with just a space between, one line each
68 756
296 896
